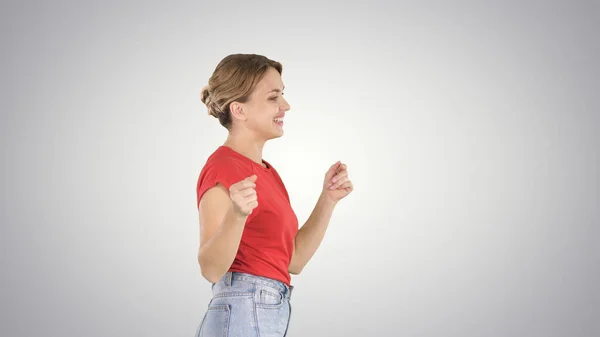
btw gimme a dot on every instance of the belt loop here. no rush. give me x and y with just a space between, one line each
228 279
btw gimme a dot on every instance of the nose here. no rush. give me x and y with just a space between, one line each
285 106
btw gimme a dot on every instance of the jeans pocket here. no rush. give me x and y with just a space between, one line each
216 321
272 319
269 297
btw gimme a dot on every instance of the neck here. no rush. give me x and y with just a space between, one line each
246 145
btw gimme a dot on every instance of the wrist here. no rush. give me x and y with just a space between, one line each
327 201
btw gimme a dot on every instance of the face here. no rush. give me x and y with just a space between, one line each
265 109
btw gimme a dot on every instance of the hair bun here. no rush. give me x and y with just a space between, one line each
213 109
204 95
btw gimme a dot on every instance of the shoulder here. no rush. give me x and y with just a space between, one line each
225 163
221 168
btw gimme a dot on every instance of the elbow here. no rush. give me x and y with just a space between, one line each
295 270
208 271
211 277
295 267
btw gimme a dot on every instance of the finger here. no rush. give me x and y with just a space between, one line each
339 183
335 165
246 182
243 185
248 200
246 192
246 205
338 176
251 207
333 168
242 200
348 186
238 196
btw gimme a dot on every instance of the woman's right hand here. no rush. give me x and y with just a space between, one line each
243 196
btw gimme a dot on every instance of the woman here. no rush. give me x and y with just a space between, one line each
249 237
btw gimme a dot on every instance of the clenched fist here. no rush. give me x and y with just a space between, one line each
337 184
243 196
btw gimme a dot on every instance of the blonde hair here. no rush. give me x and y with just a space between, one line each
233 80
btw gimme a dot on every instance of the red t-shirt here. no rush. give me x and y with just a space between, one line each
266 245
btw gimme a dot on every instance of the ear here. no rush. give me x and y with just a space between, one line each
237 111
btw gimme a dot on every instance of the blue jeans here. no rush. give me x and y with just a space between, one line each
245 305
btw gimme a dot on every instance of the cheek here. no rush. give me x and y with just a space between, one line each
262 116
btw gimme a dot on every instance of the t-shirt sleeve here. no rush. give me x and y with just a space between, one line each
224 171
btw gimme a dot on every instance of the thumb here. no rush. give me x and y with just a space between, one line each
334 167
252 178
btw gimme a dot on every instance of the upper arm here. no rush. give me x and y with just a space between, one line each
213 206
212 191
293 269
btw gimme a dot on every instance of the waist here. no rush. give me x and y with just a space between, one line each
266 263
244 283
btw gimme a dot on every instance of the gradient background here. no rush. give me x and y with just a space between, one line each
470 131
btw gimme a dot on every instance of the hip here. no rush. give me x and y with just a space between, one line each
247 305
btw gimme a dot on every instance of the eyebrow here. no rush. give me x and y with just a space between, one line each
276 90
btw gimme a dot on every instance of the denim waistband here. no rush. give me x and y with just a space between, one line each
230 277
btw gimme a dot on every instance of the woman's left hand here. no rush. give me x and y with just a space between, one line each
337 184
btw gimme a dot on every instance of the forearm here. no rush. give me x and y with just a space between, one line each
217 254
309 237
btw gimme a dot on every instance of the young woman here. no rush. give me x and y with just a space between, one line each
249 237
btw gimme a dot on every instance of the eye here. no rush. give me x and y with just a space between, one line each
275 97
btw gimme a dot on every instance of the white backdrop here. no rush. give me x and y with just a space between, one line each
470 131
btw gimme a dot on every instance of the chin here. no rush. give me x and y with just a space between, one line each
275 135
272 132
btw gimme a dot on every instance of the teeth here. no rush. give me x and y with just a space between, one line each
278 120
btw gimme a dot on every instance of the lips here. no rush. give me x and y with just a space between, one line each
279 119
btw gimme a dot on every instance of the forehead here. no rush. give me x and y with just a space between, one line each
271 80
